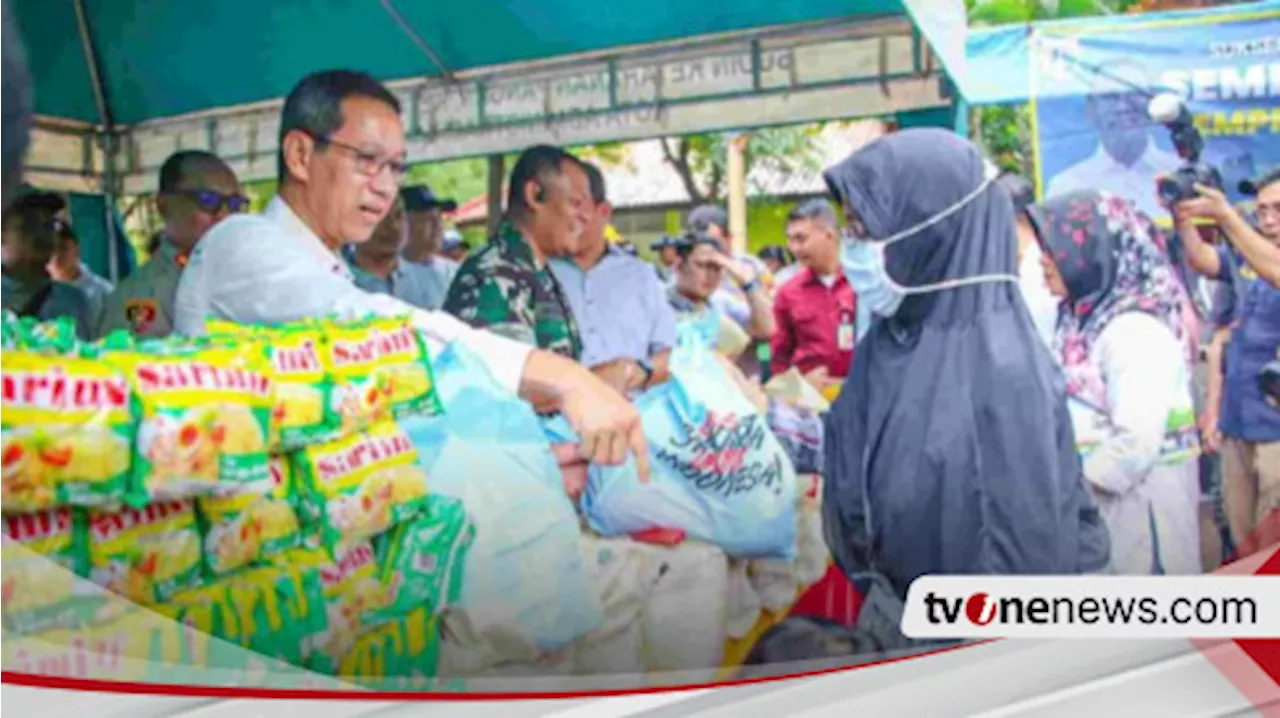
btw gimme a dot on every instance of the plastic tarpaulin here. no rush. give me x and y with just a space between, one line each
161 58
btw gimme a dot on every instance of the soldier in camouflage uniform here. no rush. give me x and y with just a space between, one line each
506 287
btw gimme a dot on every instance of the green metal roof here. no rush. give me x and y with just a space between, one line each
161 58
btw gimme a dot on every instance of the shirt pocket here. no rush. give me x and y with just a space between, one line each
811 324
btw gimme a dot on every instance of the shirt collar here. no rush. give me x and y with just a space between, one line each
279 211
680 301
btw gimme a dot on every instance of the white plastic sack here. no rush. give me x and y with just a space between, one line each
686 615
812 555
717 472
624 572
791 386
774 582
525 570
732 340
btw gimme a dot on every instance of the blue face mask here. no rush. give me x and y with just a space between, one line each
863 262
863 265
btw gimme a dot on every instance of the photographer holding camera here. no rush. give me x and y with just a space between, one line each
1249 264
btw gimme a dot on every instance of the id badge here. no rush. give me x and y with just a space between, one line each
845 336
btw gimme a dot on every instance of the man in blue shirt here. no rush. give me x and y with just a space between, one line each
627 326
377 265
423 251
1250 427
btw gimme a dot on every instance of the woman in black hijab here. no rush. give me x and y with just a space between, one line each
950 449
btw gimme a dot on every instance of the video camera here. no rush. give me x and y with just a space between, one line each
1169 111
1269 380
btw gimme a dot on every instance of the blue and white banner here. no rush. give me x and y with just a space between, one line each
1091 84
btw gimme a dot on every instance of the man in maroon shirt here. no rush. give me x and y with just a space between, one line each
814 310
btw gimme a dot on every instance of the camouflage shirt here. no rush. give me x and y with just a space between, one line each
502 289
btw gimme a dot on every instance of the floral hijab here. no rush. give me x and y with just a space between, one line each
1113 260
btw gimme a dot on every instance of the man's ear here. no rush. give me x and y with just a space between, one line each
298 148
606 210
534 194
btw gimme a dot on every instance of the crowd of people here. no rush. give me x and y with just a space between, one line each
1012 381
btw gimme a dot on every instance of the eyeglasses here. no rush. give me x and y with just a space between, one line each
368 163
212 202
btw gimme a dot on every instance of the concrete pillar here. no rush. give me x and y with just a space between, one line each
497 173
737 205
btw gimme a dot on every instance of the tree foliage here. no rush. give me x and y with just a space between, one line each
1003 133
701 160
1000 12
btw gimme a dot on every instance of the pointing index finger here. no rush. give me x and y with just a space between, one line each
639 449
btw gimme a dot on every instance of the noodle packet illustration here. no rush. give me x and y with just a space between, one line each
361 485
351 593
206 612
380 370
65 430
146 555
250 523
276 607
203 419
399 655
302 389
421 561
44 554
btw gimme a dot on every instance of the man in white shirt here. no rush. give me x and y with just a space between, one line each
341 158
1127 160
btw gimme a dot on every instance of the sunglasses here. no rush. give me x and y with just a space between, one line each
212 202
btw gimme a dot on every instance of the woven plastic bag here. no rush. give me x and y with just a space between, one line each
488 450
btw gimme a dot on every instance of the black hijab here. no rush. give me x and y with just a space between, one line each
950 449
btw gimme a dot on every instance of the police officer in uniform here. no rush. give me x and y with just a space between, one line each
197 190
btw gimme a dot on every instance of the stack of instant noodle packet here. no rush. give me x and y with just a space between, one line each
252 485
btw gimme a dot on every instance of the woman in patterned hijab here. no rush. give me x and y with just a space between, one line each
1125 336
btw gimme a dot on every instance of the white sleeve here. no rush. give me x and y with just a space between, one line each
1141 363
253 278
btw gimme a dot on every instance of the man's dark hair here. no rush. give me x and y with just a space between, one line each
40 228
314 105
596 179
818 210
537 164
15 104
182 164
706 216
686 244
1266 181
